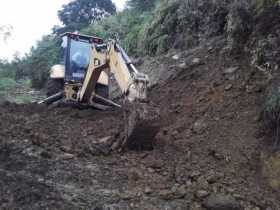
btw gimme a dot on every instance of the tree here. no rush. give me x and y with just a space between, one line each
5 32
40 60
80 13
141 5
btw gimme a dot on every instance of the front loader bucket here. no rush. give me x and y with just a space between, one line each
142 126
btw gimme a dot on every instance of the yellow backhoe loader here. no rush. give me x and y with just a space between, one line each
83 78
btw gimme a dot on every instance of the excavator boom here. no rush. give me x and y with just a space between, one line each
111 58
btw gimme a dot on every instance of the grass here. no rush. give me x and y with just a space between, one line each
23 99
9 90
7 84
25 82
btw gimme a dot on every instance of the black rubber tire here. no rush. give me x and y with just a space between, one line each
54 86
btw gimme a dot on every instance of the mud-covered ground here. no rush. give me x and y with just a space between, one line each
209 153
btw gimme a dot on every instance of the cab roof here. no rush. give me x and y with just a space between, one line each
91 39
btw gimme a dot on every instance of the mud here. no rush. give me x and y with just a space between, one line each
208 149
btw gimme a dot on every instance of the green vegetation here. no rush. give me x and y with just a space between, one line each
128 26
7 83
40 60
271 113
81 13
90 17
260 5
22 99
145 27
141 5
9 90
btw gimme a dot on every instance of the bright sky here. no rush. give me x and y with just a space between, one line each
30 19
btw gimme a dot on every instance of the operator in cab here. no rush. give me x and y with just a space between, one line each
79 62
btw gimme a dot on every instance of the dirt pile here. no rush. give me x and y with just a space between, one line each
208 153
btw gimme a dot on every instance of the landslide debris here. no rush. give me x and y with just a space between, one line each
210 144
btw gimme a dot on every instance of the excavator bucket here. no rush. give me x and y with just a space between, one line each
142 125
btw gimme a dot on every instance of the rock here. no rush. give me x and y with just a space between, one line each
66 149
258 88
228 87
249 88
179 191
165 131
189 183
196 206
67 156
166 194
175 134
165 173
215 154
148 190
137 61
151 170
46 154
134 174
221 202
201 194
196 61
237 196
199 126
230 73
116 145
176 106
230 70
230 190
154 163
195 174
231 77
31 92
176 57
106 140
214 177
202 182
200 99
189 155
182 65
217 83
127 195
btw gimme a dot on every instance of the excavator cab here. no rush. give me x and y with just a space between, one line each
76 52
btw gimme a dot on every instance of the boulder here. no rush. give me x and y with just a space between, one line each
221 202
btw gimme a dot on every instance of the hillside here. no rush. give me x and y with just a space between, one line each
210 146
219 102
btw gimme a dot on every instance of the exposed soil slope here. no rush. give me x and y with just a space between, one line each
207 156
